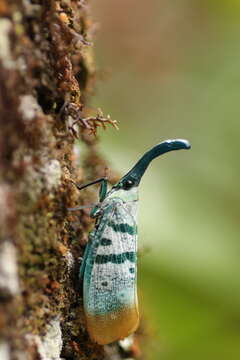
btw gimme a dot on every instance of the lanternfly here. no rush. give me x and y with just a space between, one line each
108 269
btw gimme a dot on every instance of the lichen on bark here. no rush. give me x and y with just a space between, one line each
47 73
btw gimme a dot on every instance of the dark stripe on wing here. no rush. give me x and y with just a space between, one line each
105 242
116 258
124 228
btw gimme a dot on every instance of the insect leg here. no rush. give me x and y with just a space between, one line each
89 184
103 187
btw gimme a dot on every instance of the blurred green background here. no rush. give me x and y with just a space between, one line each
172 69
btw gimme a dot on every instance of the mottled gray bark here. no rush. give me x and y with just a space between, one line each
46 75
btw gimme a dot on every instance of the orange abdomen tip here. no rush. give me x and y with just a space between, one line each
107 328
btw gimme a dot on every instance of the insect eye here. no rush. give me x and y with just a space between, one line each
127 184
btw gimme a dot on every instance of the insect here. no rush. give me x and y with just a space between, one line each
108 269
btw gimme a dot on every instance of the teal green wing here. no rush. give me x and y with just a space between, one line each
110 270
110 273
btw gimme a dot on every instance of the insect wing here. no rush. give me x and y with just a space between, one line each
110 294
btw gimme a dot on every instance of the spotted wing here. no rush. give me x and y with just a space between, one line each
110 297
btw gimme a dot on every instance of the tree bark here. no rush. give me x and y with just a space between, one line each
46 76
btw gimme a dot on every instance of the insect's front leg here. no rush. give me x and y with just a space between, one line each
96 212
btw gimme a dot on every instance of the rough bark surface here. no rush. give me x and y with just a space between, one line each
46 75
